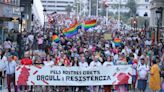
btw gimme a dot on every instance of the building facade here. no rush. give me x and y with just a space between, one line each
59 6
157 25
9 10
26 14
142 6
37 14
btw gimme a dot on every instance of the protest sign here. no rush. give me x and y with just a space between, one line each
107 36
73 76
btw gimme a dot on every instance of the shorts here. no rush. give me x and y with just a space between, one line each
142 84
134 78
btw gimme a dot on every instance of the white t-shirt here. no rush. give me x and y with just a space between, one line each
2 65
83 64
50 63
135 56
31 37
115 57
134 69
142 71
10 67
4 58
95 64
107 63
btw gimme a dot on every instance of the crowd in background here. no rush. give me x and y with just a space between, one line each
87 49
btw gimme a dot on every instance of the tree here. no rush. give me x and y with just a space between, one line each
131 4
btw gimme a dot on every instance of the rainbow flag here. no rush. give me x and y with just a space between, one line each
71 31
117 42
55 38
90 24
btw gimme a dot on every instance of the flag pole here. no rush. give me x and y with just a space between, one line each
80 9
119 15
97 8
89 8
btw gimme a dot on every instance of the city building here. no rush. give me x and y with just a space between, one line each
157 19
9 16
142 6
59 6
26 14
37 14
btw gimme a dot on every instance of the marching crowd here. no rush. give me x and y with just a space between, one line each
87 49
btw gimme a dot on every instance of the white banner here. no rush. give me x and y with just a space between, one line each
73 76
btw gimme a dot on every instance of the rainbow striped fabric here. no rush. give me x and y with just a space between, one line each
90 24
71 31
117 42
55 38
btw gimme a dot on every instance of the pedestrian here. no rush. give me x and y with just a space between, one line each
162 87
40 42
134 70
48 62
95 63
10 66
154 82
2 67
26 60
82 64
108 63
142 75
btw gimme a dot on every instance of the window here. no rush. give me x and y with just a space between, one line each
146 0
51 5
146 7
61 6
62 2
43 1
51 1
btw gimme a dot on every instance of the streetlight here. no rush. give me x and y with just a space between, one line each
131 20
145 24
44 12
21 19
158 15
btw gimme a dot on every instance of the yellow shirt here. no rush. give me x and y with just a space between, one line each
154 82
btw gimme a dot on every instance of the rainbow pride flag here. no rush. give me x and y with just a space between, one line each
55 38
90 24
71 31
117 42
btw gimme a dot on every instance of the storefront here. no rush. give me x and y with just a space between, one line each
7 12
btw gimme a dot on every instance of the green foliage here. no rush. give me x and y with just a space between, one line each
131 4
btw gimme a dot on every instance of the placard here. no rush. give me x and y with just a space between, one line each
107 36
73 76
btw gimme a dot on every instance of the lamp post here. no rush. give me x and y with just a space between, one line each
158 16
44 12
131 22
145 24
21 19
136 20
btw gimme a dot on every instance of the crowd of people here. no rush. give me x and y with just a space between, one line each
87 49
